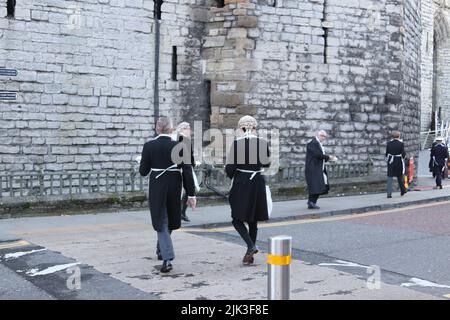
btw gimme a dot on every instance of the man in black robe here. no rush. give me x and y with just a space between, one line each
168 173
439 155
248 156
430 164
315 170
395 157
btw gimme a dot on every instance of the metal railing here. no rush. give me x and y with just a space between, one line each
427 137
48 183
67 183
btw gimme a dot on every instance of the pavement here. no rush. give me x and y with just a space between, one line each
205 217
115 253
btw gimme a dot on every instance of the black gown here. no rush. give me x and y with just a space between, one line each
248 196
395 155
165 191
315 169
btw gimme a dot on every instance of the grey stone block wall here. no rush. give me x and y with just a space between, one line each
411 76
427 50
85 84
183 24
442 61
434 60
87 73
357 95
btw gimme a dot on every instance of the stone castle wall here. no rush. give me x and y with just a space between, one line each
428 12
435 61
359 84
442 64
87 75
85 82
411 76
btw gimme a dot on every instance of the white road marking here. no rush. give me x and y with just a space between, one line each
36 272
342 263
423 283
20 254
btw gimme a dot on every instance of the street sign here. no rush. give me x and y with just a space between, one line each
8 72
8 95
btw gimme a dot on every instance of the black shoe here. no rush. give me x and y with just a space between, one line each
166 266
389 196
248 258
312 205
185 218
158 254
402 193
440 187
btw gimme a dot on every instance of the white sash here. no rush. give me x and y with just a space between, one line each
251 171
391 157
172 168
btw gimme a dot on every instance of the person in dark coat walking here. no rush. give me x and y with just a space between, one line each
315 170
184 136
430 164
439 154
167 176
395 157
248 156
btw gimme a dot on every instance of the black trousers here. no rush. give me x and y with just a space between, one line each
249 236
400 184
439 173
184 205
313 198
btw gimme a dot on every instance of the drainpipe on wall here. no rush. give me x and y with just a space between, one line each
156 86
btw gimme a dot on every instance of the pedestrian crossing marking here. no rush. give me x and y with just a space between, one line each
447 296
14 244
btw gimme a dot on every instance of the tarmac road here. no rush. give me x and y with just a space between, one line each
114 254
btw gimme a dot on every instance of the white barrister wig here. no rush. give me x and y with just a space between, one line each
182 126
248 123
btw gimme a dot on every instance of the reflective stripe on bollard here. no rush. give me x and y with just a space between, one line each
279 264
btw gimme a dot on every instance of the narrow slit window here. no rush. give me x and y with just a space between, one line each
325 45
174 63
220 3
157 8
10 8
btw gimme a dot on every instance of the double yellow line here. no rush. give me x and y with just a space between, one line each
315 220
14 244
